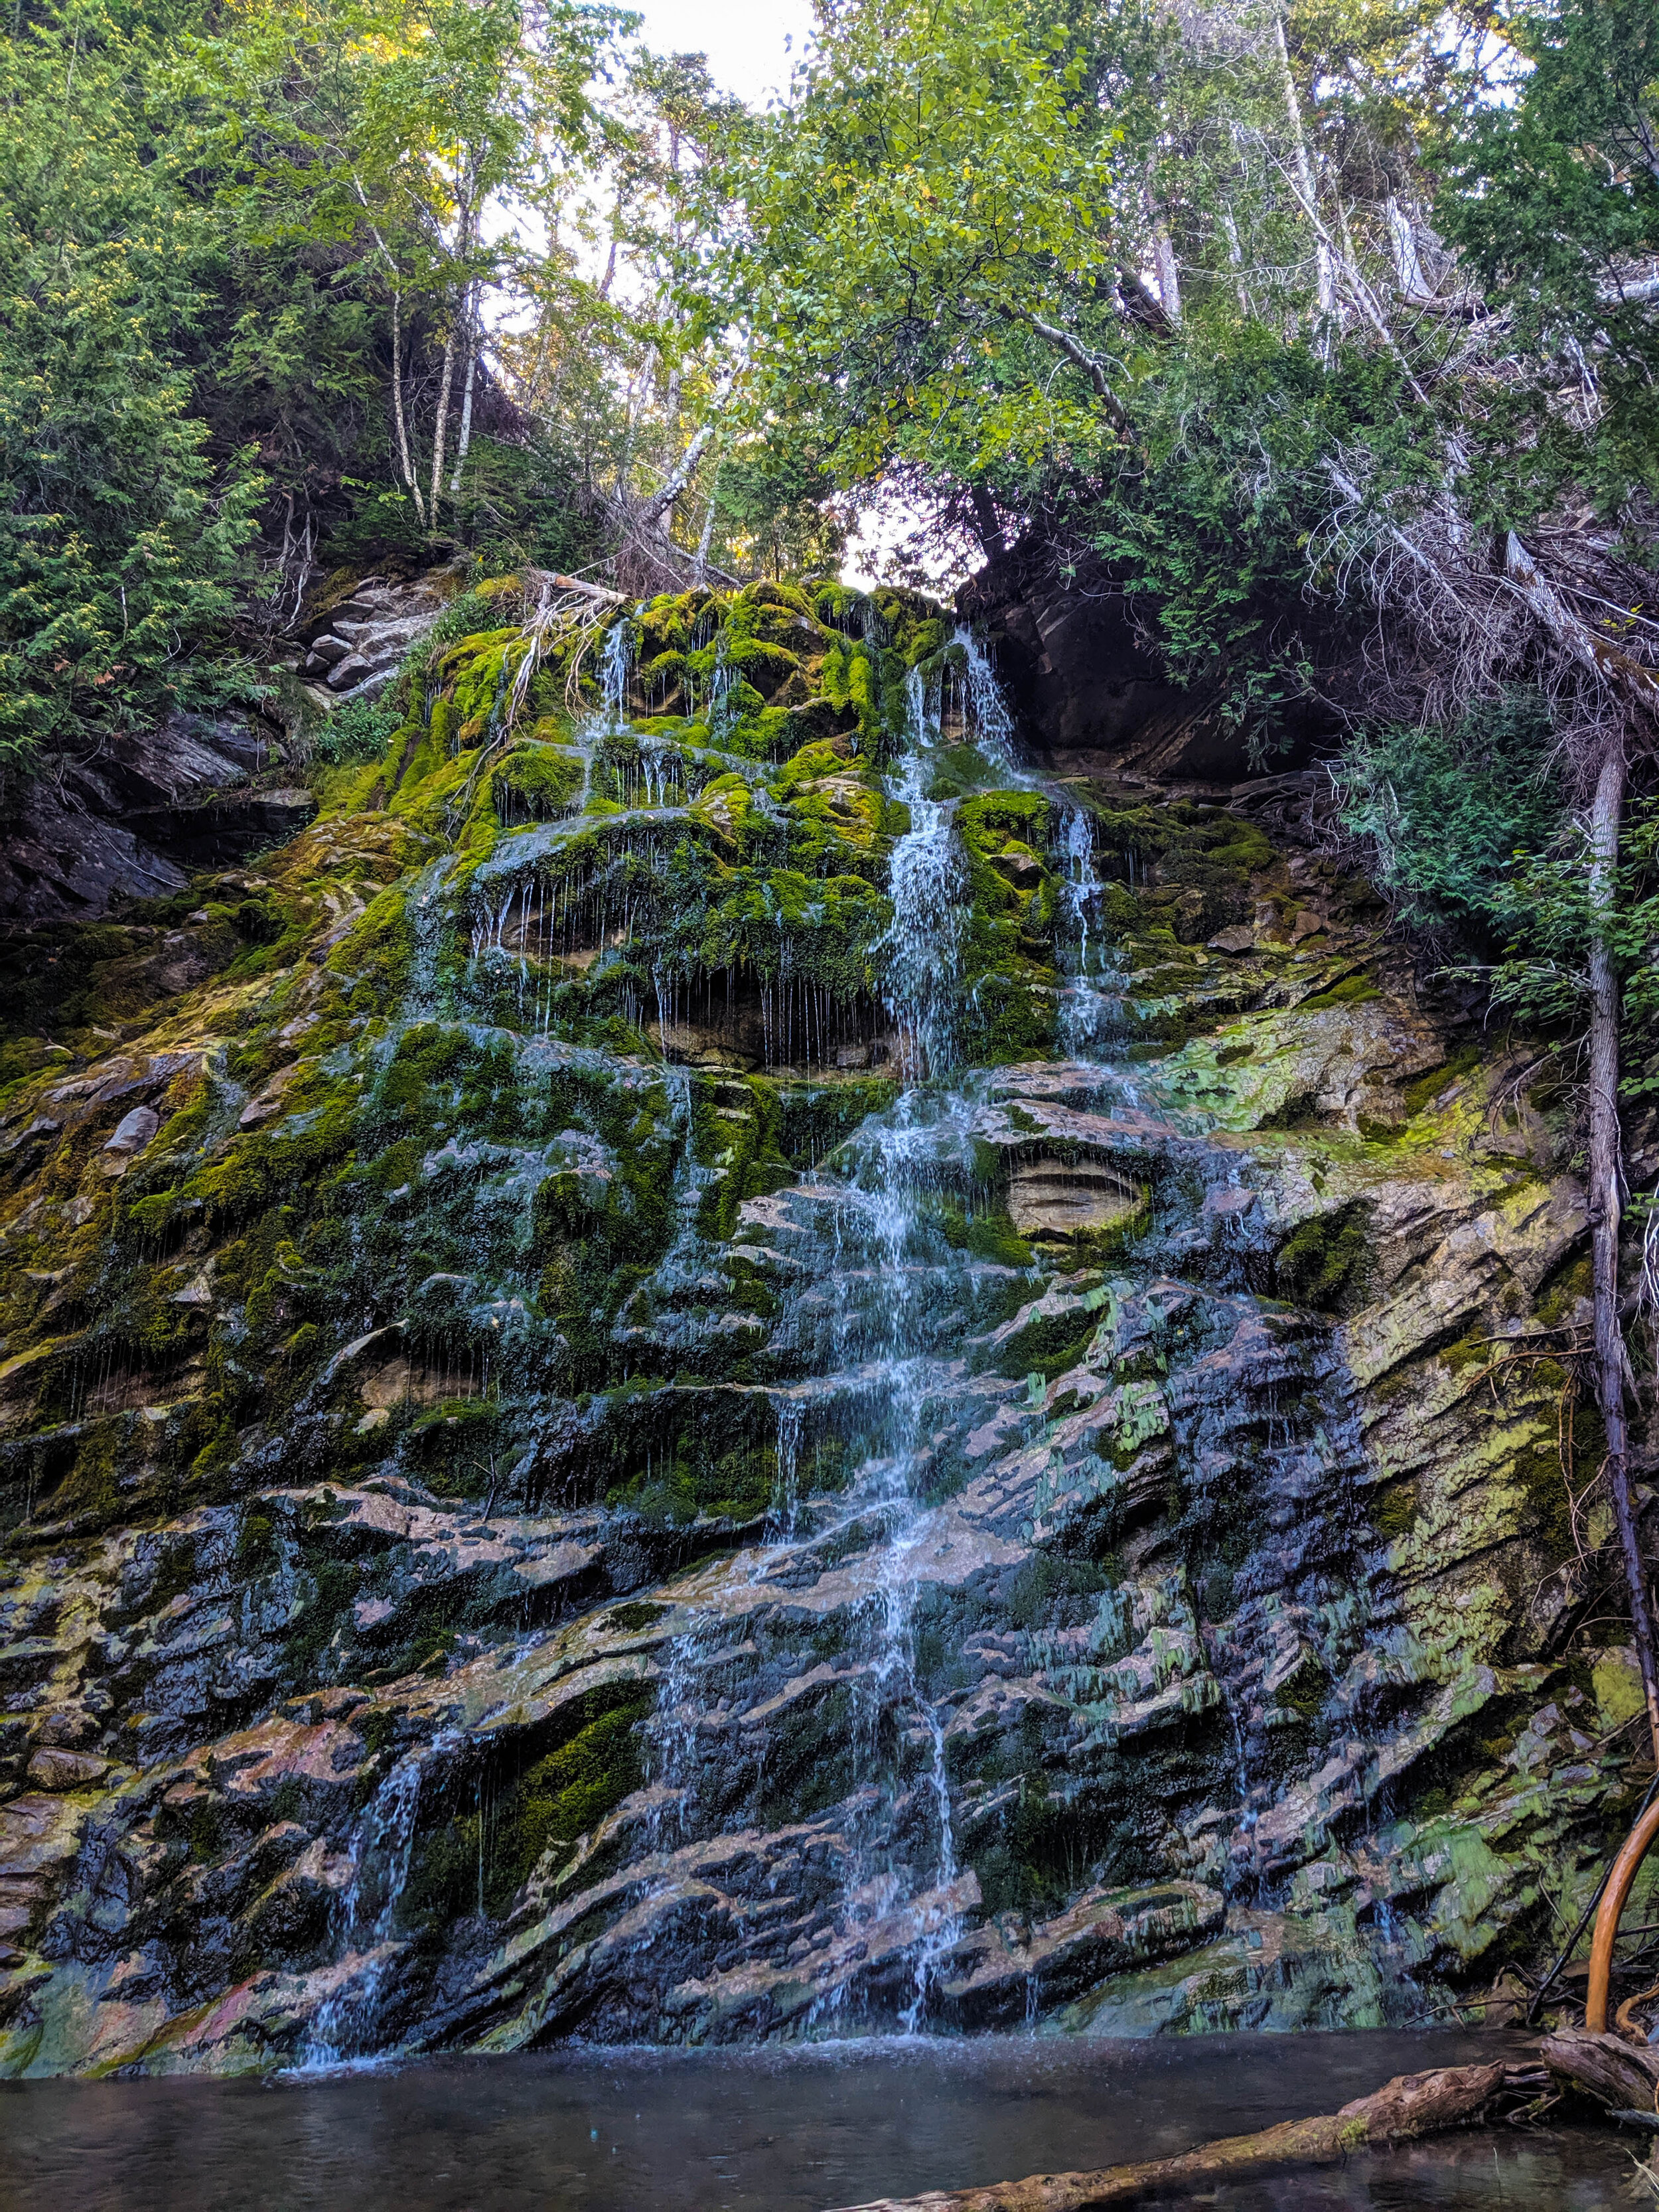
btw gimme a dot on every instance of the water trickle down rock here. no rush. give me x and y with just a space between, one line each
742 1392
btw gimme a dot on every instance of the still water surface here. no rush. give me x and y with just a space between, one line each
763 2131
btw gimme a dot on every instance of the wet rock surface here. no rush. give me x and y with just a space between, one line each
751 1373
138 819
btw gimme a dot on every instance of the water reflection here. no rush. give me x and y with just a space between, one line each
759 2131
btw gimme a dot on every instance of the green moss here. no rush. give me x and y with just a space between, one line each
1352 991
530 1820
989 1236
536 783
1050 1592
1561 1294
325 1614
1396 1511
1423 1090
1325 1263
1540 1475
628 1620
1048 1345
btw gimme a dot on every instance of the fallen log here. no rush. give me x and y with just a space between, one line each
1411 2105
1620 2075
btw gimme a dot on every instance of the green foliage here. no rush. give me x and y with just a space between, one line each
123 536
1446 809
1559 904
938 177
1553 195
354 734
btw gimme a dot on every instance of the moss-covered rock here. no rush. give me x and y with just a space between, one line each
544 1437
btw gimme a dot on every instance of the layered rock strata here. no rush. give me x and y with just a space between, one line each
745 1370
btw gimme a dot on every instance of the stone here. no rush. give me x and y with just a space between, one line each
50 1769
1049 1197
133 1132
715 1463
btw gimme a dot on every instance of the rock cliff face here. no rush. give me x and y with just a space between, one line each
1090 699
139 817
723 1366
136 823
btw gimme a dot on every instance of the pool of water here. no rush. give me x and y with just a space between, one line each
796 2130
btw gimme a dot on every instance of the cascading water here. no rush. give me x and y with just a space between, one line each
928 906
615 666
878 1319
1092 1008
985 709
347 2023
840 1412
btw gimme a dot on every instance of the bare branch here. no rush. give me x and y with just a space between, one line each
1091 363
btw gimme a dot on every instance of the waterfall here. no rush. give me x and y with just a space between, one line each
345 2024
1091 1014
905 1861
928 890
615 664
992 724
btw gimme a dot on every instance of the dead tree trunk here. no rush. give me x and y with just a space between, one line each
1635 688
1606 1199
1411 2105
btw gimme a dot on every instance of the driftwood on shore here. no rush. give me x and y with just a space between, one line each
1411 2105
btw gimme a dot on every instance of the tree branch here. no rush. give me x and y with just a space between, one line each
1095 368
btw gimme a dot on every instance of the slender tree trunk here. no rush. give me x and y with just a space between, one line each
464 438
1325 275
399 423
440 428
398 417
1169 274
707 536
654 512
1606 1203
1637 688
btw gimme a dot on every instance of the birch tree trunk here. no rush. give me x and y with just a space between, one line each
439 428
399 422
398 417
1324 272
464 437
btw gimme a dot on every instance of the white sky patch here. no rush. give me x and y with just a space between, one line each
751 45
881 529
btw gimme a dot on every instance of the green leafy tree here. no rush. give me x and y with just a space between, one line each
1553 197
123 539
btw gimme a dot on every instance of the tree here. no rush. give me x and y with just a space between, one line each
123 540
931 233
391 134
1275 413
